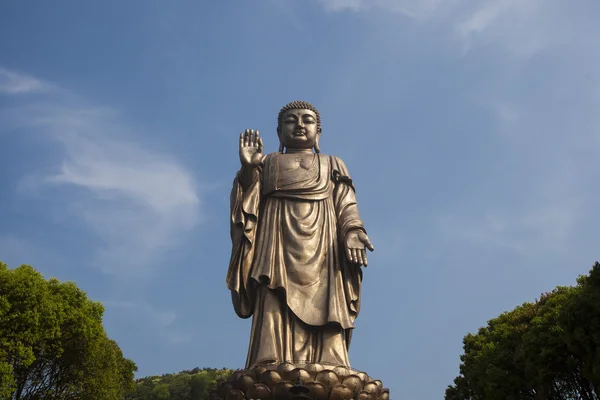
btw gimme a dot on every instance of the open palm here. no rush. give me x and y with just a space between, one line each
357 242
251 148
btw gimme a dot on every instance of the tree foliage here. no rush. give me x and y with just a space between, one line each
52 343
193 384
549 349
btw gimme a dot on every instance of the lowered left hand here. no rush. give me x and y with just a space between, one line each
357 242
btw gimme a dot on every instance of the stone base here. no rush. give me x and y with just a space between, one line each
285 381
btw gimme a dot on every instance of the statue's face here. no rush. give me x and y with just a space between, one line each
298 129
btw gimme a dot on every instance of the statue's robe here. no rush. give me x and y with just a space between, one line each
288 266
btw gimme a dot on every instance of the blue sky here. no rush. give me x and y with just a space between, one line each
470 128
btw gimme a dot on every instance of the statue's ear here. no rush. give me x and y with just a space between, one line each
280 141
317 149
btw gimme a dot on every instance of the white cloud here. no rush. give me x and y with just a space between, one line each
544 116
12 82
413 9
341 5
544 201
140 203
523 27
547 229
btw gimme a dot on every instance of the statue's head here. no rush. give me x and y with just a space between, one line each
299 126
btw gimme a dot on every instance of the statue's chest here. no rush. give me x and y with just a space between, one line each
291 164
293 171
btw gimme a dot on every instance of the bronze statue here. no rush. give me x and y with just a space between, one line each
298 245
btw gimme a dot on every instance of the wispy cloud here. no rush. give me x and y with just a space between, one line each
12 82
523 27
528 232
341 5
544 198
138 202
543 117
413 9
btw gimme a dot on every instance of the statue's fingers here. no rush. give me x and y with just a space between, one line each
241 140
260 145
368 244
363 257
246 137
252 138
359 256
354 256
349 254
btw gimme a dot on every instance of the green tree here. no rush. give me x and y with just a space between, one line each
580 319
180 387
52 343
542 350
200 386
195 384
161 392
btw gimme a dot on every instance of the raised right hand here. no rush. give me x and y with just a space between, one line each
251 148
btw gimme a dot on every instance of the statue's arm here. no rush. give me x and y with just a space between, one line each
248 175
350 226
245 201
244 206
345 202
245 195
244 211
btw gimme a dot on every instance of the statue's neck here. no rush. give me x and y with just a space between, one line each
295 151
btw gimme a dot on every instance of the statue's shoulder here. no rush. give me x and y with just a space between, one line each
334 161
269 157
339 172
337 164
332 157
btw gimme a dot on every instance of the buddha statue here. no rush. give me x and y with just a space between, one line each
298 245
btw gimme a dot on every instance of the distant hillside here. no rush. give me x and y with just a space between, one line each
194 384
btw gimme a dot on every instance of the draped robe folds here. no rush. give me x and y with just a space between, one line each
288 267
